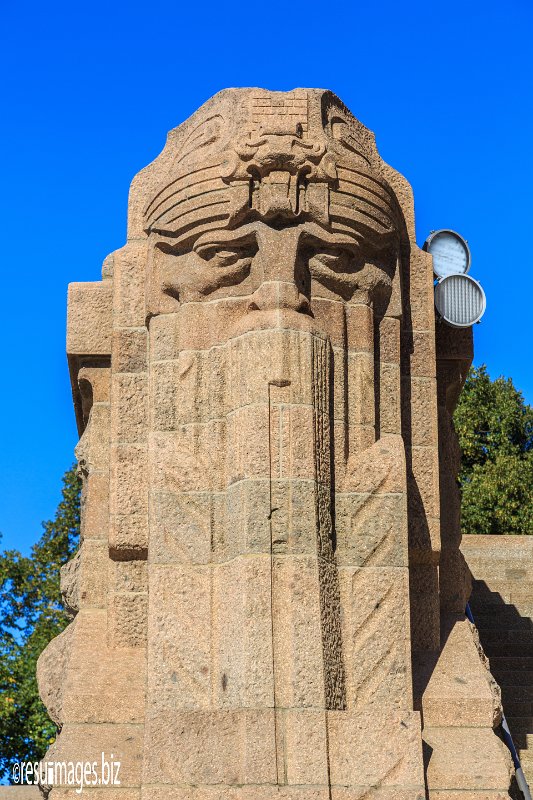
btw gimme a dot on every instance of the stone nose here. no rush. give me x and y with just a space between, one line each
275 295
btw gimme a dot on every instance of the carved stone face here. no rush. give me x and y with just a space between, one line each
287 211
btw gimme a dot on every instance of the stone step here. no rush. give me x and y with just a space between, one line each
490 606
515 694
513 677
508 649
520 724
511 664
493 605
519 708
504 619
524 744
494 636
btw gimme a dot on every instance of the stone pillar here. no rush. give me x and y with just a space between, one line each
256 378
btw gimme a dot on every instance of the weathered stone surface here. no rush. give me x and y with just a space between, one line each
466 759
461 691
19 793
269 476
376 749
89 318
87 741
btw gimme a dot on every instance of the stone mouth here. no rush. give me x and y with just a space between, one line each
275 319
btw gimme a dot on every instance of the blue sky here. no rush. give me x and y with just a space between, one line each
90 90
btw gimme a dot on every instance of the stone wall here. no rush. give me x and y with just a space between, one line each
502 604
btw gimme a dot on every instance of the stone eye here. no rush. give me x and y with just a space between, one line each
225 258
222 255
335 260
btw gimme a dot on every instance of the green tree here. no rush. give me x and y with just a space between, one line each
495 430
31 614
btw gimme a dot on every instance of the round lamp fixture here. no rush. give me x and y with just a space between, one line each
450 252
460 300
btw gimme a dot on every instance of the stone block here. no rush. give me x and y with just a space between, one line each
130 576
360 328
329 314
304 734
189 460
242 598
22 792
225 792
265 366
128 479
52 668
454 343
163 339
424 532
92 450
376 637
361 400
95 792
92 576
128 619
205 326
95 506
129 279
421 296
248 454
292 449
471 759
421 397
188 389
371 529
389 340
70 584
297 632
128 536
461 691
129 350
246 523
422 354
104 685
87 742
372 749
425 466
380 469
130 407
89 318
390 405
182 529
425 607
180 665
210 747
261 515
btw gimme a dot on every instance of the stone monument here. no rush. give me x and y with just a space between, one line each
268 598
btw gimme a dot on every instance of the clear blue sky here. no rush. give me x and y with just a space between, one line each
90 90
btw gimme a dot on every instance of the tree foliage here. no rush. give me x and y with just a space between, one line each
31 614
495 430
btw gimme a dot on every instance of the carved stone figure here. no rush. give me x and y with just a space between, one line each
264 575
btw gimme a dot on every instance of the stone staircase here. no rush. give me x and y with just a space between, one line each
502 605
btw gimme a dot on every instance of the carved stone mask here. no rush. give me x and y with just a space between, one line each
273 202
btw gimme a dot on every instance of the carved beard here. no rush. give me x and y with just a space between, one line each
279 449
241 488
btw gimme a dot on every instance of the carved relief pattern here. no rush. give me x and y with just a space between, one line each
334 677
